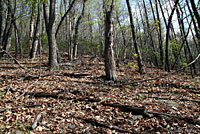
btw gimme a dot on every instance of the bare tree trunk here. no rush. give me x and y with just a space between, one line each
1 21
36 34
150 35
159 30
184 36
167 66
123 37
190 28
31 26
70 35
139 58
75 38
162 12
196 13
65 15
91 32
193 19
101 38
110 67
17 41
50 28
8 27
143 24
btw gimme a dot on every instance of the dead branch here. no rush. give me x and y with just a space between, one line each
36 120
76 75
101 124
15 60
27 89
128 108
13 108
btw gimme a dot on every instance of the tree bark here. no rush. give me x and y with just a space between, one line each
70 35
150 35
184 36
196 14
50 28
75 38
8 27
167 66
139 58
1 21
160 34
36 34
110 67
31 27
123 37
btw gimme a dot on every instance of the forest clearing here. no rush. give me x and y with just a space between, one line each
77 99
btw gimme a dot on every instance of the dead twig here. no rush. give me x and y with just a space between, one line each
36 120
27 89
11 57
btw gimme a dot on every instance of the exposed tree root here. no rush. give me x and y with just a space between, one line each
101 124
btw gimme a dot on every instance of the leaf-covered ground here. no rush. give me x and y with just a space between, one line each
72 99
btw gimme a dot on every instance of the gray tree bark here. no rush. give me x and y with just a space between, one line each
75 38
167 66
50 28
110 67
1 21
36 34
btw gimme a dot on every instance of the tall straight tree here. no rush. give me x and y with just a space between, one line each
36 34
110 66
159 29
137 50
197 16
49 16
150 34
196 13
75 38
167 68
1 20
123 36
31 25
8 27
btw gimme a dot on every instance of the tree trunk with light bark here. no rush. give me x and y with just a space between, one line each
110 67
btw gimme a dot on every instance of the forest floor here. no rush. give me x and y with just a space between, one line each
77 99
